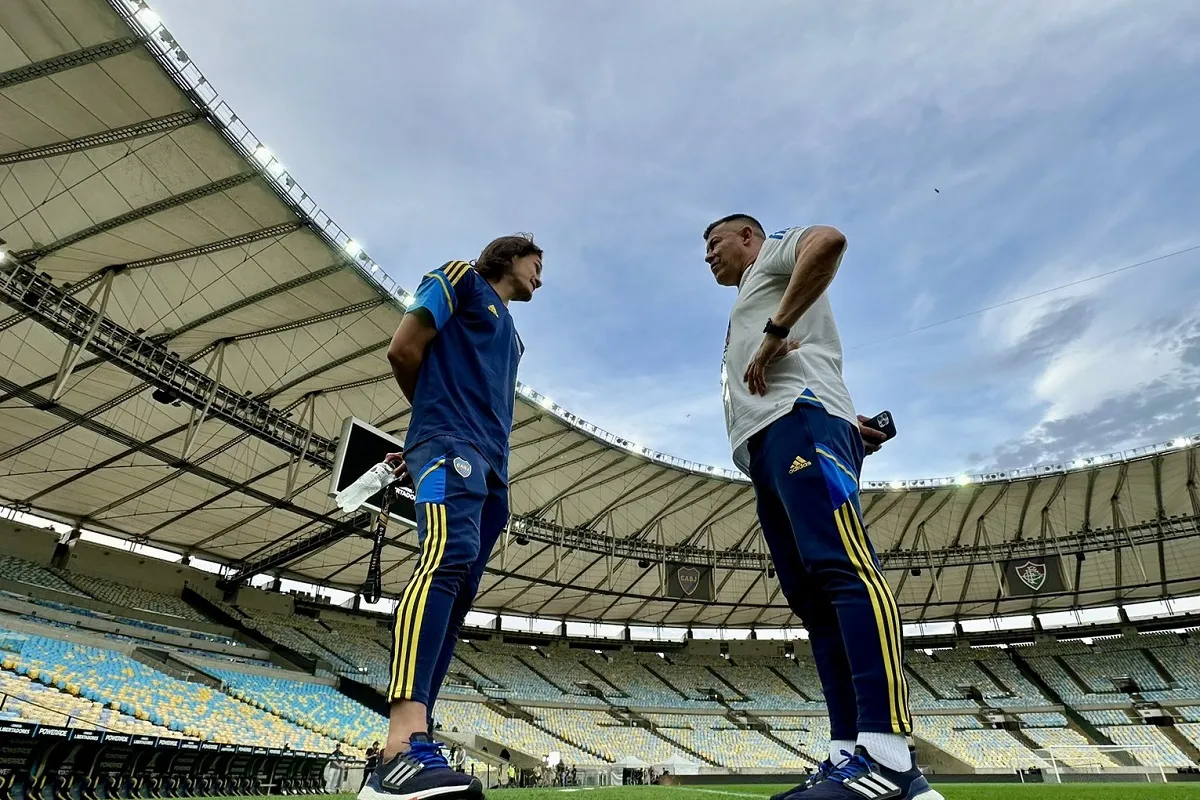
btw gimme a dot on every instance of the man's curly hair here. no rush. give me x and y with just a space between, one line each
498 257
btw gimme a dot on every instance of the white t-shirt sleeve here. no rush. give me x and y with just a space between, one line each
783 255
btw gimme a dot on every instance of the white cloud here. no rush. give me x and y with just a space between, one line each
1082 378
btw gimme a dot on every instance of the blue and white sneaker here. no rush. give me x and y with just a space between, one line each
863 778
824 769
420 772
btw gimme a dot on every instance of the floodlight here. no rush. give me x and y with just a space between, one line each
150 21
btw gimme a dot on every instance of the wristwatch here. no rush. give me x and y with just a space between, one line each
778 331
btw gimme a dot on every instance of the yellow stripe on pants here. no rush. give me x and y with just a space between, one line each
438 511
431 554
893 611
883 621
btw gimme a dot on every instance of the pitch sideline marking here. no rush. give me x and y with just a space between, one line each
715 791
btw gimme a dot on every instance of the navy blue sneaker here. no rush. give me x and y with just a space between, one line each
862 777
824 769
419 772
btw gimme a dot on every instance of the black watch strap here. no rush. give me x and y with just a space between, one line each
777 331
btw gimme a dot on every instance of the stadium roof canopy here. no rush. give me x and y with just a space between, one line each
188 331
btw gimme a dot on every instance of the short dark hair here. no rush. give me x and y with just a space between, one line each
498 257
743 218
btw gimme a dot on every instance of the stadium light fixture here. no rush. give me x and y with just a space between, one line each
1180 442
963 480
546 402
353 248
150 20
262 155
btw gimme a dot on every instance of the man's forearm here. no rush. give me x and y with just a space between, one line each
405 372
816 263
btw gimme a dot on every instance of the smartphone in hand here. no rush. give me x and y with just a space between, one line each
884 423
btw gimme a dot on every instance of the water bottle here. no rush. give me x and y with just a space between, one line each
370 483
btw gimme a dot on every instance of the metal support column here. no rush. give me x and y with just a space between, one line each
74 351
216 366
981 533
308 419
924 538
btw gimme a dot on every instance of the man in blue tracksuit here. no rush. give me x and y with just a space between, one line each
794 432
455 357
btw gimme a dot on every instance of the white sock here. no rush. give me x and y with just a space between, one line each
836 746
889 749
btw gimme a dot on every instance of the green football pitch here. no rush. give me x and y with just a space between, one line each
1134 791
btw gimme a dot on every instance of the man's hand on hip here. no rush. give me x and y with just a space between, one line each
771 350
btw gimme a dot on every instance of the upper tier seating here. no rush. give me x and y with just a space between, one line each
16 569
1109 716
132 597
479 719
501 663
568 674
1044 719
718 739
608 736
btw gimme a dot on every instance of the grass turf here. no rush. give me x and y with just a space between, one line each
1079 791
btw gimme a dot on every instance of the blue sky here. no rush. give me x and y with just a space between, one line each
1061 138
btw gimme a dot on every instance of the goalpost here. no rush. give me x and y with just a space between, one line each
1101 763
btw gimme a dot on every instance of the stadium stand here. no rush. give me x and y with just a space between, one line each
506 671
1164 754
1070 747
613 738
591 707
21 571
810 735
133 597
1189 713
764 687
721 742
1048 719
131 687
318 707
458 716
1107 716
563 669
23 697
951 681
619 703
965 739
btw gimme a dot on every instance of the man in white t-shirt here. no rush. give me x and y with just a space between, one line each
794 432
